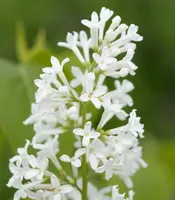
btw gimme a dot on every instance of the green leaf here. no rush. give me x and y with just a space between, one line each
14 103
37 54
21 42
16 95
5 154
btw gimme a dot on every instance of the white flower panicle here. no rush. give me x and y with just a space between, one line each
62 107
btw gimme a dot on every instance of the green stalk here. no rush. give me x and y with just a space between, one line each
84 176
84 165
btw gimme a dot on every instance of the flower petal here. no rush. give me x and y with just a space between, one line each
100 169
65 61
65 158
87 127
89 84
30 174
76 163
20 194
54 61
96 102
77 72
84 97
94 134
33 161
80 152
66 189
55 181
96 57
93 161
99 92
57 197
108 173
78 131
85 141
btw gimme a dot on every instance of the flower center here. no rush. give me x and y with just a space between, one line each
86 134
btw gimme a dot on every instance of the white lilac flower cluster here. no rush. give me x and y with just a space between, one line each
61 107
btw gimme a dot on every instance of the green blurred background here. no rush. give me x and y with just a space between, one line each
24 51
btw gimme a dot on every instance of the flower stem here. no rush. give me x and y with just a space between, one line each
84 165
84 176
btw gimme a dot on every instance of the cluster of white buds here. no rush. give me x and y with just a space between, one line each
61 107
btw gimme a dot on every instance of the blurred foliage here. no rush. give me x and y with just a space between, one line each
21 62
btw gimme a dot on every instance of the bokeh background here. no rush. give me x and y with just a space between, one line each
29 32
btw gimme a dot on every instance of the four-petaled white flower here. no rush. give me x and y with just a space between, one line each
90 94
58 189
38 168
87 133
56 65
79 77
96 152
72 42
134 125
104 59
57 68
111 109
94 26
121 91
108 166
